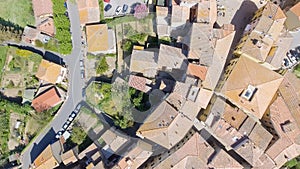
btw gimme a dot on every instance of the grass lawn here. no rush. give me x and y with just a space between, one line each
3 51
17 11
297 71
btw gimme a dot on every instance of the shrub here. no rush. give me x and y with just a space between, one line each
102 66
38 43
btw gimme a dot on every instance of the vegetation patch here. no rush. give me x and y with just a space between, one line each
139 99
102 66
17 11
101 7
62 25
293 164
297 70
9 31
3 51
113 100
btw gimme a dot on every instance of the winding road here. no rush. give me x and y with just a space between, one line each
74 92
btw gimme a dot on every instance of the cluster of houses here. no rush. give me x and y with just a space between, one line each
47 95
44 27
217 108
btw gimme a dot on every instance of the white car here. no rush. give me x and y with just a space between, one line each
118 10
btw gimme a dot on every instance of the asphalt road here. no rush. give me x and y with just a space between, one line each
74 93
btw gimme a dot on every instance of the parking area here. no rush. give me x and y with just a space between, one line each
115 4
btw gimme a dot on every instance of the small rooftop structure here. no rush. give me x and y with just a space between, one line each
180 15
136 156
163 21
251 86
51 72
100 39
144 62
47 26
140 83
28 95
69 157
88 11
197 70
279 50
170 57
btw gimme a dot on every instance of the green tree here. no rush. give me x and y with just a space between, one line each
78 135
102 66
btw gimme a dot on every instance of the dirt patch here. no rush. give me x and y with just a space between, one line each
17 130
16 78
88 120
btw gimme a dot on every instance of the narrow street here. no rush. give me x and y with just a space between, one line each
74 93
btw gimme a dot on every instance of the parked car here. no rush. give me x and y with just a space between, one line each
58 134
82 74
125 8
107 1
81 63
118 10
77 108
66 125
65 5
107 7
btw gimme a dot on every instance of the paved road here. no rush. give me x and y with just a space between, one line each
74 93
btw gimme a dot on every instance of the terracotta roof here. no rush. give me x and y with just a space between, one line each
165 126
207 11
201 46
46 100
248 73
144 62
135 157
139 83
204 97
265 32
296 9
42 7
171 57
234 116
197 70
221 51
280 116
30 34
89 151
88 11
293 17
178 96
260 136
97 37
290 92
180 14
279 50
47 27
46 159
68 157
195 153
49 71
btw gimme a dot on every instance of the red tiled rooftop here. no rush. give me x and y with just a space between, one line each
46 100
42 7
197 70
139 83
